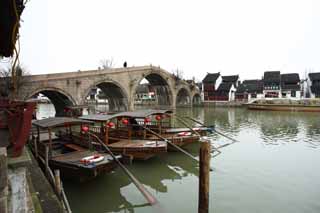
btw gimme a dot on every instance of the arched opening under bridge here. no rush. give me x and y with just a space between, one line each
183 98
107 97
51 103
153 91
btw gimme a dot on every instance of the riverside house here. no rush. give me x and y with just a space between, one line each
290 85
249 89
271 84
226 90
210 84
314 83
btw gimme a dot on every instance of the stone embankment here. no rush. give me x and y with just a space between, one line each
23 187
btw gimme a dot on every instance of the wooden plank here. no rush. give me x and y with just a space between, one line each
74 147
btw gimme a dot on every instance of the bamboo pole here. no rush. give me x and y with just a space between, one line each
204 175
172 144
202 124
184 123
152 200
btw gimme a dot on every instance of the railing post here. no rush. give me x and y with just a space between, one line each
204 175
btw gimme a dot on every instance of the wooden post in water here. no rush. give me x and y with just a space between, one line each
57 182
47 158
204 175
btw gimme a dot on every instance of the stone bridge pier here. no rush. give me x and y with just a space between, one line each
119 86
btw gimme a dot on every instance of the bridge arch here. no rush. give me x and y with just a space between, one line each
159 84
183 97
196 99
113 92
58 97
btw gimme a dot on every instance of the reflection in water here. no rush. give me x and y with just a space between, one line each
262 173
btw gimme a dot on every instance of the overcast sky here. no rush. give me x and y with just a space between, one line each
245 37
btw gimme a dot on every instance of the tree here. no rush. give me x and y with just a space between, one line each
107 63
178 74
6 79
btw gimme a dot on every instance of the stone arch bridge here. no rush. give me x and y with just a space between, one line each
119 85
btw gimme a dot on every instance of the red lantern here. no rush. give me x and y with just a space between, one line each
110 124
158 117
125 121
85 128
147 120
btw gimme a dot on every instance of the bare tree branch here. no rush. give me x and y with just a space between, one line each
107 63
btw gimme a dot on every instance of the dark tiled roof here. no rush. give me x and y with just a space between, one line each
211 78
315 88
314 76
250 86
271 77
290 81
224 87
230 78
290 78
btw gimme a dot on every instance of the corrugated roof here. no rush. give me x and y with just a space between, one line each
58 122
314 76
211 78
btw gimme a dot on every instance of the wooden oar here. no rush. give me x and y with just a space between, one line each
185 123
202 124
152 200
172 144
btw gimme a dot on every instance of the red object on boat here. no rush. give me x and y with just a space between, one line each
125 121
147 120
110 124
158 117
15 123
85 128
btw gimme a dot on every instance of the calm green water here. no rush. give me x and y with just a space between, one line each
273 169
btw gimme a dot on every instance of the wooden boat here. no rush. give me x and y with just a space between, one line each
303 105
68 152
121 133
128 127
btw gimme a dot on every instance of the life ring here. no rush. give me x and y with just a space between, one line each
184 133
92 159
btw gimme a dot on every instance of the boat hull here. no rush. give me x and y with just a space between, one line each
279 107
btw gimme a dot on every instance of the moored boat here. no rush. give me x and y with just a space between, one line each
301 105
71 153
123 135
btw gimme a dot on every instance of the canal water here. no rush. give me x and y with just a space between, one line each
274 168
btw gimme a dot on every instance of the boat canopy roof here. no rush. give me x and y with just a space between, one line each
58 122
133 114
